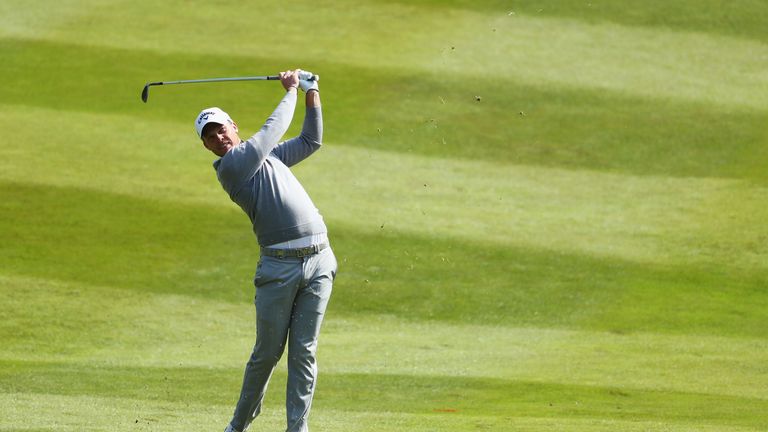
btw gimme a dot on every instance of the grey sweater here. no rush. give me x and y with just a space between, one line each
255 174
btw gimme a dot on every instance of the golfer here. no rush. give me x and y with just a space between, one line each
296 269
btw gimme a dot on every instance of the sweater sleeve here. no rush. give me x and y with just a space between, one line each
296 149
243 161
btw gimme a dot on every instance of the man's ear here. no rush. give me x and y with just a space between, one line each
235 126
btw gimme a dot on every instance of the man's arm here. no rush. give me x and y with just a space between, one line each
240 163
296 149
313 98
277 124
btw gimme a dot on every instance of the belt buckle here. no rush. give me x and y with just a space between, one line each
305 251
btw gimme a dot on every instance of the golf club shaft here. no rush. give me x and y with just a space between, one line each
145 91
208 80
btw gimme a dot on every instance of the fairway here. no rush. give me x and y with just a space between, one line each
548 215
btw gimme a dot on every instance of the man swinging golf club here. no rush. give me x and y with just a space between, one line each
297 267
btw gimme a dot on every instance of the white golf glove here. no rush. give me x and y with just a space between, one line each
306 83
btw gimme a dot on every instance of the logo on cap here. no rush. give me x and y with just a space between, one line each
204 116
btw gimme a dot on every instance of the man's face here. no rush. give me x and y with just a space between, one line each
220 138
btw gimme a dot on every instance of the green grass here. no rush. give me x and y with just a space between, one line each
548 215
738 19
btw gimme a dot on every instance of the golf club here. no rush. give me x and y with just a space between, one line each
145 91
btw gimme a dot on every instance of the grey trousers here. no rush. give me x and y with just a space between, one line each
291 297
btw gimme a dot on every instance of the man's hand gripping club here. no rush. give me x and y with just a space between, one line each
299 79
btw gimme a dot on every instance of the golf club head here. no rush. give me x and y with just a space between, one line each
145 93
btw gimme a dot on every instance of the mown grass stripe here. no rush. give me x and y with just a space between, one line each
154 246
513 122
46 412
73 322
566 52
742 18
642 219
638 218
99 413
387 393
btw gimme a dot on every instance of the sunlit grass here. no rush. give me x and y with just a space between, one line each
548 216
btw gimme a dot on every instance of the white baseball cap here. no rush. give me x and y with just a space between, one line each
210 115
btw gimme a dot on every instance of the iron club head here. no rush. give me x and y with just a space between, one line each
145 93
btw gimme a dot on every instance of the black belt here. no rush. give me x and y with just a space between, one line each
294 253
